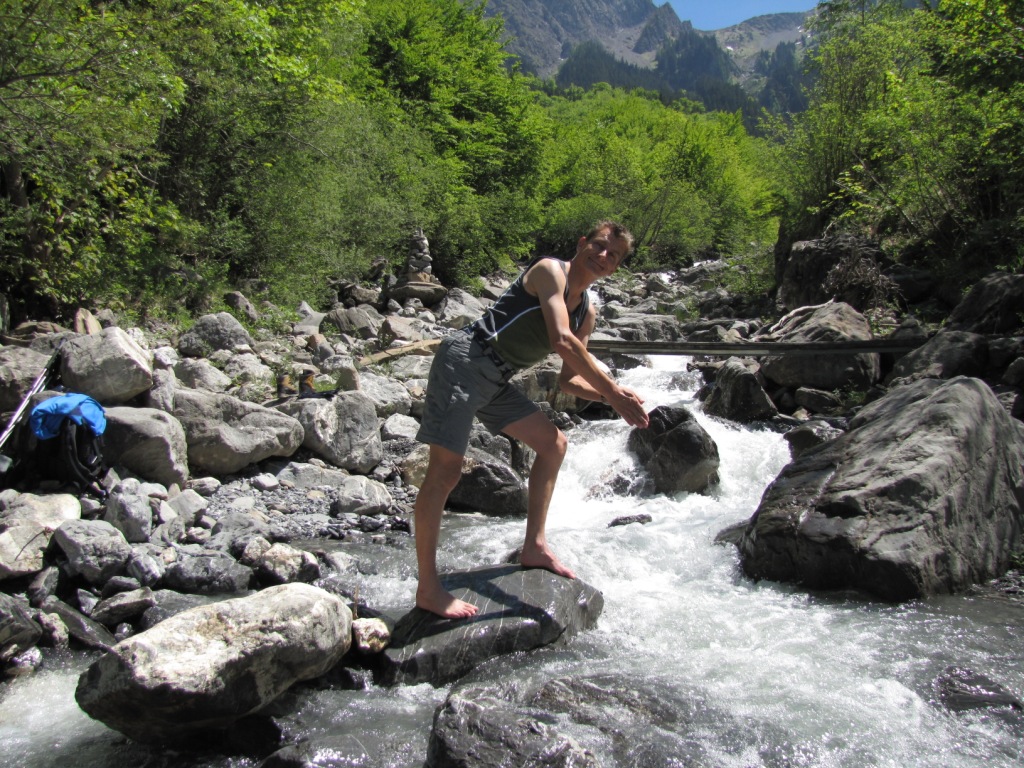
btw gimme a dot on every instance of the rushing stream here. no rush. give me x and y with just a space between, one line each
786 678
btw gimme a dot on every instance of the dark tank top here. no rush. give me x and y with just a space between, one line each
514 325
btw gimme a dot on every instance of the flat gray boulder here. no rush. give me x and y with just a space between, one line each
301 475
204 668
225 434
923 495
520 609
362 322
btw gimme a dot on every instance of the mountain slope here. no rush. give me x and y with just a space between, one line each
762 33
543 32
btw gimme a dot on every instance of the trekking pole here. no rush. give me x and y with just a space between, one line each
40 383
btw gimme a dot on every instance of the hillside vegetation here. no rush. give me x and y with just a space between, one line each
152 154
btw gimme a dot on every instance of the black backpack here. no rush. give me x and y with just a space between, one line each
79 458
73 457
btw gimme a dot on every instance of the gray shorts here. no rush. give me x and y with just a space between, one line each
464 382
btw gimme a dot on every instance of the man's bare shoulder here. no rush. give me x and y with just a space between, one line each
546 276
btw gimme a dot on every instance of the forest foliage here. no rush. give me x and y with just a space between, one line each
153 153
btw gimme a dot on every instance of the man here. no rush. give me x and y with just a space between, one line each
546 309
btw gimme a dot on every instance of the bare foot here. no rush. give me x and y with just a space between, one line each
543 557
444 604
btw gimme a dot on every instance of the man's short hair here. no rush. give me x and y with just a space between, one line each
615 230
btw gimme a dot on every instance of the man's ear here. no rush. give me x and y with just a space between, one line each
581 243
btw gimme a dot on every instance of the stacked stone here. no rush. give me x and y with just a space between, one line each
419 260
417 282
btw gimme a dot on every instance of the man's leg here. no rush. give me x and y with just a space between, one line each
443 473
549 444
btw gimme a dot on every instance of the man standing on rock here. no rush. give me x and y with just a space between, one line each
546 309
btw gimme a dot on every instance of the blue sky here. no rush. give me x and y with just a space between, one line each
715 14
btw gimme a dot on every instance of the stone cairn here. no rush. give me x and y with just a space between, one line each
419 260
418 282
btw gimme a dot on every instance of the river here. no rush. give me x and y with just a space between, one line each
785 678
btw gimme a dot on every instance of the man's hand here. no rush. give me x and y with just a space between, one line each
630 406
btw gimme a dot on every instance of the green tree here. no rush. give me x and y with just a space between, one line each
82 94
687 184
913 133
440 66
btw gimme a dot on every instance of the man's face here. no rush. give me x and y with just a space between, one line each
603 253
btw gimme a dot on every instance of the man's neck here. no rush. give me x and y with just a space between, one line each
577 279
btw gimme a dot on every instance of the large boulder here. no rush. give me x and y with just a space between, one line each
924 495
418 286
342 430
200 373
19 367
396 328
642 326
388 396
475 726
737 394
148 442
207 573
225 434
109 366
213 332
489 485
833 321
842 267
460 309
676 451
204 668
362 322
605 719
95 549
359 495
993 305
944 356
520 609
26 527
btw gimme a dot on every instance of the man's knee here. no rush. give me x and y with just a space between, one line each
444 474
555 448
